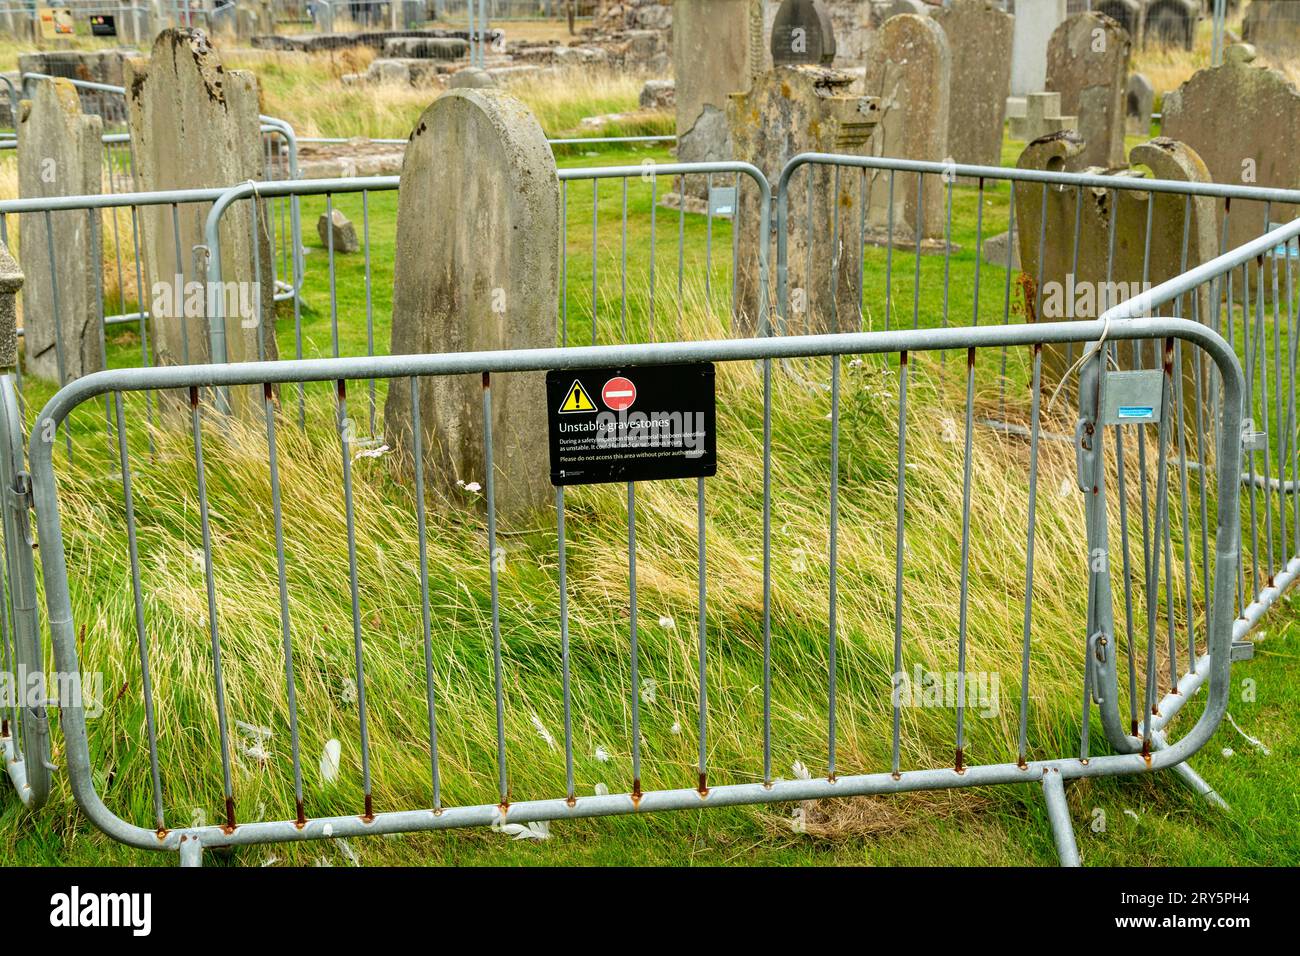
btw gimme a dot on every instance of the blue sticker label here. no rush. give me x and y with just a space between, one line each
1136 411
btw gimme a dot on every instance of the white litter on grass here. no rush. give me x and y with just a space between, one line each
1066 489
601 790
800 771
948 431
667 623
649 689
537 830
271 861
253 731
348 691
602 755
329 761
346 849
676 727
543 732
1253 741
1228 751
798 821
379 452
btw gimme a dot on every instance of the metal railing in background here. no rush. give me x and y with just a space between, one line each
24 727
624 306
754 361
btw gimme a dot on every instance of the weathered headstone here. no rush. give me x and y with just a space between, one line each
195 124
802 34
1067 284
1087 63
11 280
477 269
1273 27
1033 28
1042 117
1129 14
791 110
1139 104
717 51
1244 121
1171 22
910 76
59 154
979 42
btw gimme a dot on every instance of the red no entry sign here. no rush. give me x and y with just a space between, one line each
619 393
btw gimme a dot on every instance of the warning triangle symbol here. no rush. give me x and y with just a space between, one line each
576 401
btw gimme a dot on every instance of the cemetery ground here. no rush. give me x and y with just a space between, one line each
1127 821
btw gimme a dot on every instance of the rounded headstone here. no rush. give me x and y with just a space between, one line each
802 33
477 269
471 78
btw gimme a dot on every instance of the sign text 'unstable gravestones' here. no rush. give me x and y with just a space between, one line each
632 424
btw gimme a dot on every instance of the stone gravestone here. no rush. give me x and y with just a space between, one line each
1033 28
1087 291
979 41
1273 27
910 76
1042 118
478 258
1244 121
1087 63
59 154
717 51
791 109
195 124
1139 104
802 33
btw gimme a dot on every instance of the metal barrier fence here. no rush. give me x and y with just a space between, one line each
1264 339
849 687
24 727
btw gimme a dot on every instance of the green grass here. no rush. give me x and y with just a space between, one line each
990 826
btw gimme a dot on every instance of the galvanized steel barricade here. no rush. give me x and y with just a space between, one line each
1224 301
617 311
24 728
1018 758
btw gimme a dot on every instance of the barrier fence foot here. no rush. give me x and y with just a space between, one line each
1058 812
191 851
1193 779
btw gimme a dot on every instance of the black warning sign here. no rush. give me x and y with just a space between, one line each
640 423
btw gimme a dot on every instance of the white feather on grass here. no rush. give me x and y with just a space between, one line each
329 761
542 731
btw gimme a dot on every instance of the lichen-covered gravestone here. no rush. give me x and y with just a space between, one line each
909 74
59 154
476 269
1069 284
717 51
195 124
1244 121
979 41
1087 63
803 106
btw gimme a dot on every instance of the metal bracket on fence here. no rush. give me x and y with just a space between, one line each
1251 438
